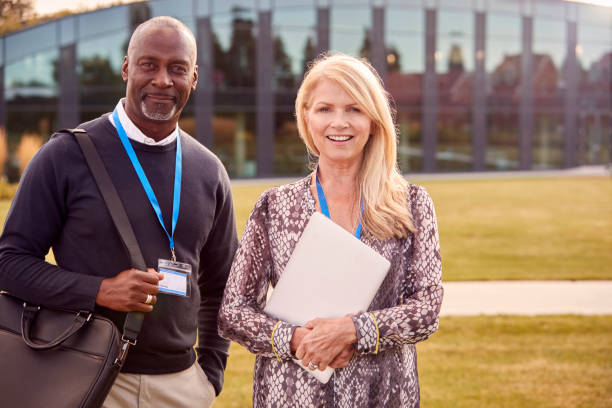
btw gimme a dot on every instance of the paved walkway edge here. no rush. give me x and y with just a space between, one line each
527 298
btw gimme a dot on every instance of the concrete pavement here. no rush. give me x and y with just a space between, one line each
527 298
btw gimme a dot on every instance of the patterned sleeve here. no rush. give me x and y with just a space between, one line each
417 317
241 318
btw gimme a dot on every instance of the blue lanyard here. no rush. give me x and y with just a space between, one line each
147 186
325 209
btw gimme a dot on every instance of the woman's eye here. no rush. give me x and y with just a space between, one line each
355 110
324 109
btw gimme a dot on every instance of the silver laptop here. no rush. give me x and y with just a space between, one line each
330 274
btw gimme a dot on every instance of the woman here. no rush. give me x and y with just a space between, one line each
344 119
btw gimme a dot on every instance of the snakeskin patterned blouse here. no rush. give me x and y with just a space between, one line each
406 308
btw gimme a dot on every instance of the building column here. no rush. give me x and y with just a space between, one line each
377 39
526 96
479 101
571 98
68 109
322 30
430 94
204 93
264 96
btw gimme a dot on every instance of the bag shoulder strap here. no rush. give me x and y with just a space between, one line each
133 321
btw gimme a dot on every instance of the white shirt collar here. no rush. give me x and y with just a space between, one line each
132 131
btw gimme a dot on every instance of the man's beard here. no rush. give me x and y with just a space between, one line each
157 116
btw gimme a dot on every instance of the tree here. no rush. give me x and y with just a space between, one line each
14 14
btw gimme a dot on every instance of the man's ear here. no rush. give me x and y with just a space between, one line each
124 69
195 78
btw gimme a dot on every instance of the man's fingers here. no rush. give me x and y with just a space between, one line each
150 276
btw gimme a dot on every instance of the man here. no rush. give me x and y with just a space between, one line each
58 205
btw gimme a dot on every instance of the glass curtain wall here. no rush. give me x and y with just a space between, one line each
31 85
294 39
405 57
101 46
234 25
455 74
548 79
594 54
503 72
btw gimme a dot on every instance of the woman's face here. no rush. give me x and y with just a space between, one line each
339 128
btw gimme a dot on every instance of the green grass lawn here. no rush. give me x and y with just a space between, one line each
497 362
510 229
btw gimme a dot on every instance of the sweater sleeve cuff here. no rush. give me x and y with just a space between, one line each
282 340
366 333
91 286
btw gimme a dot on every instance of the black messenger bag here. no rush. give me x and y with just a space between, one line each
65 359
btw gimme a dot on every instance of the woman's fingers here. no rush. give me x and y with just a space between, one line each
343 359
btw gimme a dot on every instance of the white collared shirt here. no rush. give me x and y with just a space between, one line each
132 131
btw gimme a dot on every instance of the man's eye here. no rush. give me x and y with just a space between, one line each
180 69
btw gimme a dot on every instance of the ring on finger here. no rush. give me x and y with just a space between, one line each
312 366
149 299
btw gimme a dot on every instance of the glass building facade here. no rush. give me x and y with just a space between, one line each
479 85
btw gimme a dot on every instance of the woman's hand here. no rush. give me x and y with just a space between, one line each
343 358
327 342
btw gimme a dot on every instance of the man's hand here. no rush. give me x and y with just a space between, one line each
128 291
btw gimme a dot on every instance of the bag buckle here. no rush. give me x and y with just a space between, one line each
123 352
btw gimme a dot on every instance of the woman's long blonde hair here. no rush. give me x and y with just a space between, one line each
381 186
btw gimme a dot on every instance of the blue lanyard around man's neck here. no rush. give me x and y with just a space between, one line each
147 186
325 209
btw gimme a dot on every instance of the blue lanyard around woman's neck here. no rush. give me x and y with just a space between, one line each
325 209
147 186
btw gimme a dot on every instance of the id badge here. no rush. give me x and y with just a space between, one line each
176 277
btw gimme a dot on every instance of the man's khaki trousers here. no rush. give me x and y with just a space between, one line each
189 388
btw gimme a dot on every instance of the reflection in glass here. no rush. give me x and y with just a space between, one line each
31 98
594 54
290 155
548 78
234 45
349 30
28 128
34 76
99 69
234 141
454 67
503 70
294 45
404 40
409 149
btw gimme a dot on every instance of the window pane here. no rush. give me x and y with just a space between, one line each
549 54
234 142
30 41
290 157
454 67
503 68
294 45
404 43
99 69
349 30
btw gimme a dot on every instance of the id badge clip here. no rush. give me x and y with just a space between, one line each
176 277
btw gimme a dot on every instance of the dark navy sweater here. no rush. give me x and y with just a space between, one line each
58 206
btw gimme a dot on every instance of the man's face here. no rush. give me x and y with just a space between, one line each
160 72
